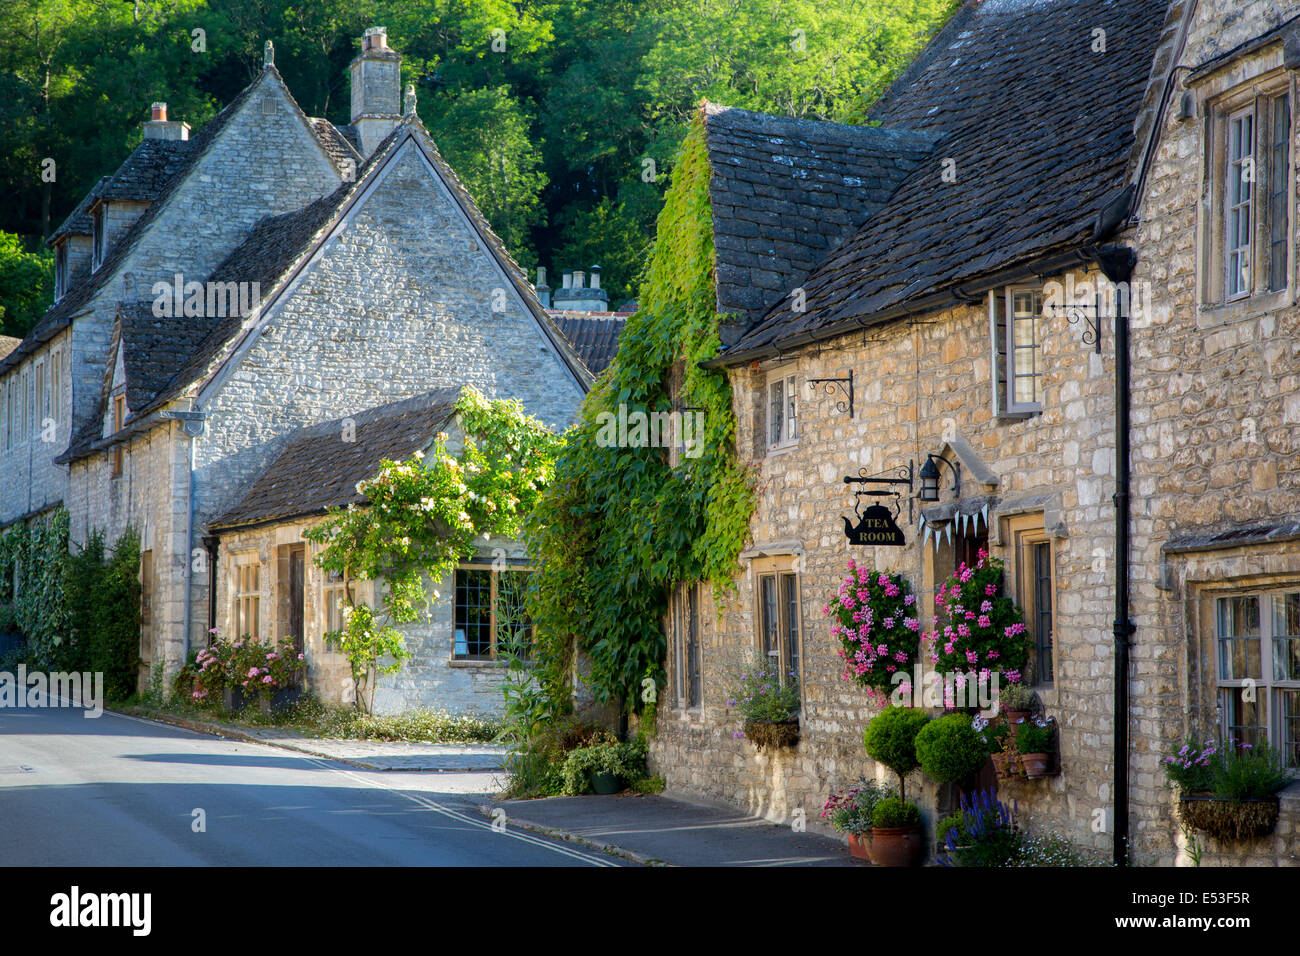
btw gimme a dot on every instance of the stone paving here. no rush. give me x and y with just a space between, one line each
368 754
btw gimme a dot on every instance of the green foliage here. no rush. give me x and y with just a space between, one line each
430 726
954 824
36 552
26 285
891 739
949 749
888 639
623 760
1015 697
853 810
1036 736
619 527
114 641
895 812
1243 772
978 626
422 518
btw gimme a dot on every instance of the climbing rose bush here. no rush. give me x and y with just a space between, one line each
977 627
875 618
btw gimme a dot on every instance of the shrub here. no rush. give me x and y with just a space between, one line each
895 812
891 739
759 696
852 810
987 835
949 749
625 761
1036 736
876 622
954 823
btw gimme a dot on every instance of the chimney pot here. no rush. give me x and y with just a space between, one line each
158 112
568 280
577 278
541 276
595 277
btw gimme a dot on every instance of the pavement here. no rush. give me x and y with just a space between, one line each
365 754
664 830
123 791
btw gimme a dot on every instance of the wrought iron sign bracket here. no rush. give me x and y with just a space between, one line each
902 476
1080 312
845 388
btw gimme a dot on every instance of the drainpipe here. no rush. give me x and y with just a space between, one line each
213 543
1117 263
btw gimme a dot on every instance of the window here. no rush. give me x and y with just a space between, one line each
778 614
1034 566
5 417
490 620
782 410
119 418
687 675
61 270
1016 329
41 397
1257 639
55 406
248 596
1248 252
146 606
97 238
333 598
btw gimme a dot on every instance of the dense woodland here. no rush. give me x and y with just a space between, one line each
562 116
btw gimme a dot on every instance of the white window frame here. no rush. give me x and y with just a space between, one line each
1003 349
789 420
1237 260
247 597
1268 687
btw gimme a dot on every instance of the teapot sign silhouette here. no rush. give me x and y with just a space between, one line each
876 527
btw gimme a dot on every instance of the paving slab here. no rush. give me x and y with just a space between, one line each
667 830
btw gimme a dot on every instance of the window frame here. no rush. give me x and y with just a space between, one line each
60 270
119 412
1026 533
246 598
686 683
1230 205
1268 687
493 601
1014 406
97 239
788 379
784 576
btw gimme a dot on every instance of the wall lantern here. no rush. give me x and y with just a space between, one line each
930 476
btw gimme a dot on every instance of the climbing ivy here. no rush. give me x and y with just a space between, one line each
32 555
619 527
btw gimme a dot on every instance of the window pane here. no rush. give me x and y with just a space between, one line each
792 412
1239 645
694 690
775 416
1245 721
1279 162
1286 636
1289 708
514 628
790 595
1043 612
770 619
473 615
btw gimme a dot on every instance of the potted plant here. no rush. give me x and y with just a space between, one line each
1017 702
768 706
280 679
891 739
951 749
982 833
896 836
875 617
1035 740
850 812
1231 793
603 768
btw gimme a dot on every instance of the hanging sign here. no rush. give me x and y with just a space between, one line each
876 527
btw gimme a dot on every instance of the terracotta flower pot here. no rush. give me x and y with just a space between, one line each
860 845
1015 718
1035 764
1002 765
897 846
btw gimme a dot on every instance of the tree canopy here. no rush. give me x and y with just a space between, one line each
561 116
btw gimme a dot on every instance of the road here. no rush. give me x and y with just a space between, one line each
120 791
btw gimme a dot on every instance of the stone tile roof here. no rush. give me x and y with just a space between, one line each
60 314
7 344
594 336
154 349
786 191
79 222
1040 130
150 167
340 147
317 468
279 244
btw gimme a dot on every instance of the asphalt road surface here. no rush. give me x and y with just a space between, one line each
119 791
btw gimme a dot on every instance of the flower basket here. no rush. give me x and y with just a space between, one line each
767 734
1228 819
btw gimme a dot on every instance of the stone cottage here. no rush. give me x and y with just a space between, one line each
223 298
1036 295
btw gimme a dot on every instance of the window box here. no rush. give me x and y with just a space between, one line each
1227 819
766 734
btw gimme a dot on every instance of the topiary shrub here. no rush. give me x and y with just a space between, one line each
895 812
891 739
949 749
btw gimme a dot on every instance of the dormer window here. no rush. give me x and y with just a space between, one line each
97 238
119 419
61 270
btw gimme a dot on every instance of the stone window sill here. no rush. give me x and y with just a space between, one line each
473 664
1212 316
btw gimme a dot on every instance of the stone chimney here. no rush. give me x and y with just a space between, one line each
376 78
541 288
578 296
158 126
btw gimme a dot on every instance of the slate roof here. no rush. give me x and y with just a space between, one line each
79 222
154 349
594 336
277 245
317 468
7 344
339 146
149 168
1040 129
786 191
60 314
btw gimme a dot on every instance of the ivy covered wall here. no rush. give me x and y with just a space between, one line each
619 527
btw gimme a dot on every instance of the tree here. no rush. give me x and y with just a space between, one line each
26 285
